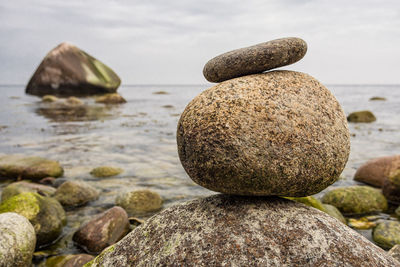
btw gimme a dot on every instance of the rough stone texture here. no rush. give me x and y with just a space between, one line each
277 133
395 252
387 234
18 166
75 193
110 99
17 240
23 186
361 116
139 202
224 230
46 214
105 171
356 199
255 59
67 70
104 230
77 260
391 192
376 171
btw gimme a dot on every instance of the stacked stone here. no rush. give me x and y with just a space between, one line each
252 137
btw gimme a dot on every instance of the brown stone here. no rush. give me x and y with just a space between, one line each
224 230
75 193
395 252
67 70
255 59
276 133
391 192
77 260
104 230
376 171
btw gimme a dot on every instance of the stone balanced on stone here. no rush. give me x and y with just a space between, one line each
279 133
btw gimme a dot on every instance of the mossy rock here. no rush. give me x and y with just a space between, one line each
361 223
49 98
67 260
356 199
139 202
394 177
387 234
361 116
23 186
309 201
377 98
17 166
334 212
45 214
106 171
75 193
110 99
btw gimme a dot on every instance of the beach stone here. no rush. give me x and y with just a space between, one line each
49 98
77 260
45 214
395 252
139 202
356 199
255 59
75 193
361 223
17 240
387 234
105 171
377 98
35 168
110 99
277 133
394 177
103 230
334 212
23 186
376 171
361 116
226 230
391 192
67 70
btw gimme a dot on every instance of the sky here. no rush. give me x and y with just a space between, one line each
168 42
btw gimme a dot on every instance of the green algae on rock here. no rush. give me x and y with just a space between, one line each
102 231
377 98
35 168
277 133
361 116
76 260
75 193
110 99
139 202
23 186
67 70
49 98
387 234
376 171
17 240
106 171
356 199
233 230
46 214
334 212
255 59
361 223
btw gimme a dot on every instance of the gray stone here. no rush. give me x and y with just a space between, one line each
224 230
377 170
103 230
23 186
67 70
276 133
17 240
75 193
77 260
395 252
255 59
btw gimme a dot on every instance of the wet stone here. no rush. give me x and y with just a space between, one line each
23 186
255 59
387 234
361 116
75 193
139 202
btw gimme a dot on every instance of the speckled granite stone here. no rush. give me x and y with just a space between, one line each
226 230
277 133
255 59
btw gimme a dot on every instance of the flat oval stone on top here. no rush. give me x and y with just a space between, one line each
255 59
276 133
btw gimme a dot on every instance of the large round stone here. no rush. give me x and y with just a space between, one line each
277 133
224 230
255 59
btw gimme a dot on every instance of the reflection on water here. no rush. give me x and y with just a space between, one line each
139 137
